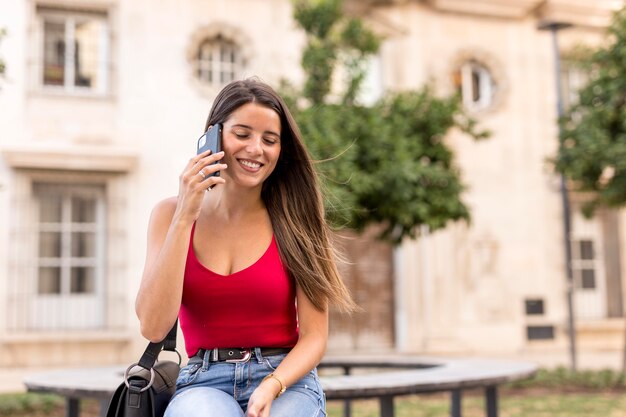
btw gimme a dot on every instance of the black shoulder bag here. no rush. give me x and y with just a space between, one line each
148 384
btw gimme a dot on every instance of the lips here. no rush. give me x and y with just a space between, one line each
250 165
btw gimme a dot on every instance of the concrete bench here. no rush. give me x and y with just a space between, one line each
407 375
402 375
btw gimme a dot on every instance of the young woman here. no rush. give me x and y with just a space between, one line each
245 260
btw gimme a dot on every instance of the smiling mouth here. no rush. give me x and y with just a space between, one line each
250 164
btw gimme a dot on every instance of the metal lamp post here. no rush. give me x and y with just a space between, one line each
554 28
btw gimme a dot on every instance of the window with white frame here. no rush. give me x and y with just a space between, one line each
70 256
372 88
584 264
573 78
476 85
219 61
75 51
588 270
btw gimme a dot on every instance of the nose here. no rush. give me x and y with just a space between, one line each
254 145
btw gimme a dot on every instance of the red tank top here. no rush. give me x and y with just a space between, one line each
254 307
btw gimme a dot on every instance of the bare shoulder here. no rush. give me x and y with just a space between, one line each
163 211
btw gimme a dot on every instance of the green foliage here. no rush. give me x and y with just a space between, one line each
395 168
333 40
565 379
386 163
28 404
593 141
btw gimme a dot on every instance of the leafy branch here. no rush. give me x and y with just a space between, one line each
386 163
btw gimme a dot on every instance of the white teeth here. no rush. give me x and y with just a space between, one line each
250 164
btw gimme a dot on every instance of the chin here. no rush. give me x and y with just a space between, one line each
248 182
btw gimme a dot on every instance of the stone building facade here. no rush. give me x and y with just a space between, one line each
103 100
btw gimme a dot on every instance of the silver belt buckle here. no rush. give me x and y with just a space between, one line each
247 353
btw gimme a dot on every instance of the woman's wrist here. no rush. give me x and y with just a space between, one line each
278 382
182 221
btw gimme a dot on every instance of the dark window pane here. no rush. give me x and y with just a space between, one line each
49 244
539 332
534 307
586 249
50 208
49 280
83 245
53 53
83 210
588 279
225 53
475 85
82 280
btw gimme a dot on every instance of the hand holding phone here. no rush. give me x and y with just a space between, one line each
211 139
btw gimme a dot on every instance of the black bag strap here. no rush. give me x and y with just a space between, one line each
152 351
169 342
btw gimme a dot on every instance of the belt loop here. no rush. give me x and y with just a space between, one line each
205 360
258 354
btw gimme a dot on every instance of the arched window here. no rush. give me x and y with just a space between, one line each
218 54
219 61
476 84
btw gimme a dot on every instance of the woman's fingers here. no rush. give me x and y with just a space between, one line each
209 182
208 158
203 166
203 159
206 178
210 170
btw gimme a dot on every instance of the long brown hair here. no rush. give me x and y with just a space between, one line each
293 200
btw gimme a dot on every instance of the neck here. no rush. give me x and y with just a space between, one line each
230 204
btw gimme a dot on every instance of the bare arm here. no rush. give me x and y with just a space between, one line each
305 355
160 293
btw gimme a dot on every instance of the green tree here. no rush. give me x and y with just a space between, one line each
592 146
592 151
385 163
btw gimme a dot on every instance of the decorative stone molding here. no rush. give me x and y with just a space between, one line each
596 14
73 159
213 31
589 13
496 8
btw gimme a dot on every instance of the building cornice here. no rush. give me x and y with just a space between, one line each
596 13
587 13
71 158
514 9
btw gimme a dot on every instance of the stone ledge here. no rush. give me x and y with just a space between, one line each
73 159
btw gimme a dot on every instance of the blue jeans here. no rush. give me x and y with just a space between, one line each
222 389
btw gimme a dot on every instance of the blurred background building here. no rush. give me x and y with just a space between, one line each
103 101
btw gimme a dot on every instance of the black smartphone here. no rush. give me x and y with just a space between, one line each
211 139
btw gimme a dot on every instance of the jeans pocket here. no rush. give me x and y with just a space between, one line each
273 361
188 374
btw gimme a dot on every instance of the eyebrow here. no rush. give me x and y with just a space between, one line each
250 127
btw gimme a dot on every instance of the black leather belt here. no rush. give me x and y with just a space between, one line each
237 354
